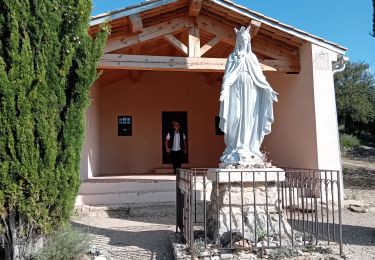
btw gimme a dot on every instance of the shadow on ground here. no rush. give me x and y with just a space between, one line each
132 242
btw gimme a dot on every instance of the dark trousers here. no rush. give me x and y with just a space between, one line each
176 158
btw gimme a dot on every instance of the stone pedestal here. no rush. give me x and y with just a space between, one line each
243 202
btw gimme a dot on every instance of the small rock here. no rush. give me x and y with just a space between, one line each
100 258
353 202
241 244
226 256
203 254
357 209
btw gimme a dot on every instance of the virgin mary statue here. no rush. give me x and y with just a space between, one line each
246 101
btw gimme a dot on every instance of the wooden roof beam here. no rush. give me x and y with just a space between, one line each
176 43
165 63
149 33
136 24
282 66
195 7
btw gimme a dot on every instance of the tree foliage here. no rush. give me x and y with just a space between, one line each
47 65
355 97
373 18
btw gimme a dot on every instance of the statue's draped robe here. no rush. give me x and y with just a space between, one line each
246 112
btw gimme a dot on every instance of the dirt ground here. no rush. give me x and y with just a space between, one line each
147 238
359 185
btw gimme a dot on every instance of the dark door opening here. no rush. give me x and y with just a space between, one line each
167 119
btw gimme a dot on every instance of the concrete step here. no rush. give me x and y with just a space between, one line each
129 210
125 190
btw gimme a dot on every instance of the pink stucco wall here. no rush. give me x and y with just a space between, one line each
90 155
144 101
292 142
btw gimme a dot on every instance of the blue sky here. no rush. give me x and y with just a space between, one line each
345 22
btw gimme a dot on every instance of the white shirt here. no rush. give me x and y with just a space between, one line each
176 141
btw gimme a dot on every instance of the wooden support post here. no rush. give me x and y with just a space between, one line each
195 7
194 40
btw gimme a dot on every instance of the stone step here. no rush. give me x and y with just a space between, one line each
119 198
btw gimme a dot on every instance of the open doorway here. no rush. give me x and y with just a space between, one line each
167 119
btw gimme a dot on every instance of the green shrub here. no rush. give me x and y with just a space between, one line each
65 244
48 63
348 142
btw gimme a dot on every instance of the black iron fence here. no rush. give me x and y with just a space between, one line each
247 209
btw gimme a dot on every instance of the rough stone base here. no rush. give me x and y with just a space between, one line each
251 211
180 252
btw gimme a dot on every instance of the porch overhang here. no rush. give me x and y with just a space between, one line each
193 35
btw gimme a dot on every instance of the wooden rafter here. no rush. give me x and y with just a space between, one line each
176 43
225 32
195 7
194 39
136 24
149 33
254 27
273 50
210 44
143 62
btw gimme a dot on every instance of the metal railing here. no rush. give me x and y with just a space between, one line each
246 209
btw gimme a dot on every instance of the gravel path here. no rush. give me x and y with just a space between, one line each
359 228
359 234
130 239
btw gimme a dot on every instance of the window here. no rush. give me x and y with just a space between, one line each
125 126
217 129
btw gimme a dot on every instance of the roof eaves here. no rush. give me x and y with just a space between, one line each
283 27
123 12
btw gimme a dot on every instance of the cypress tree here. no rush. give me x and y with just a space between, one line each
47 65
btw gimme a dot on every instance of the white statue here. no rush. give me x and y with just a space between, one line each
246 101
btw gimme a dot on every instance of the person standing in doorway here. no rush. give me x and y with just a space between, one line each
175 145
